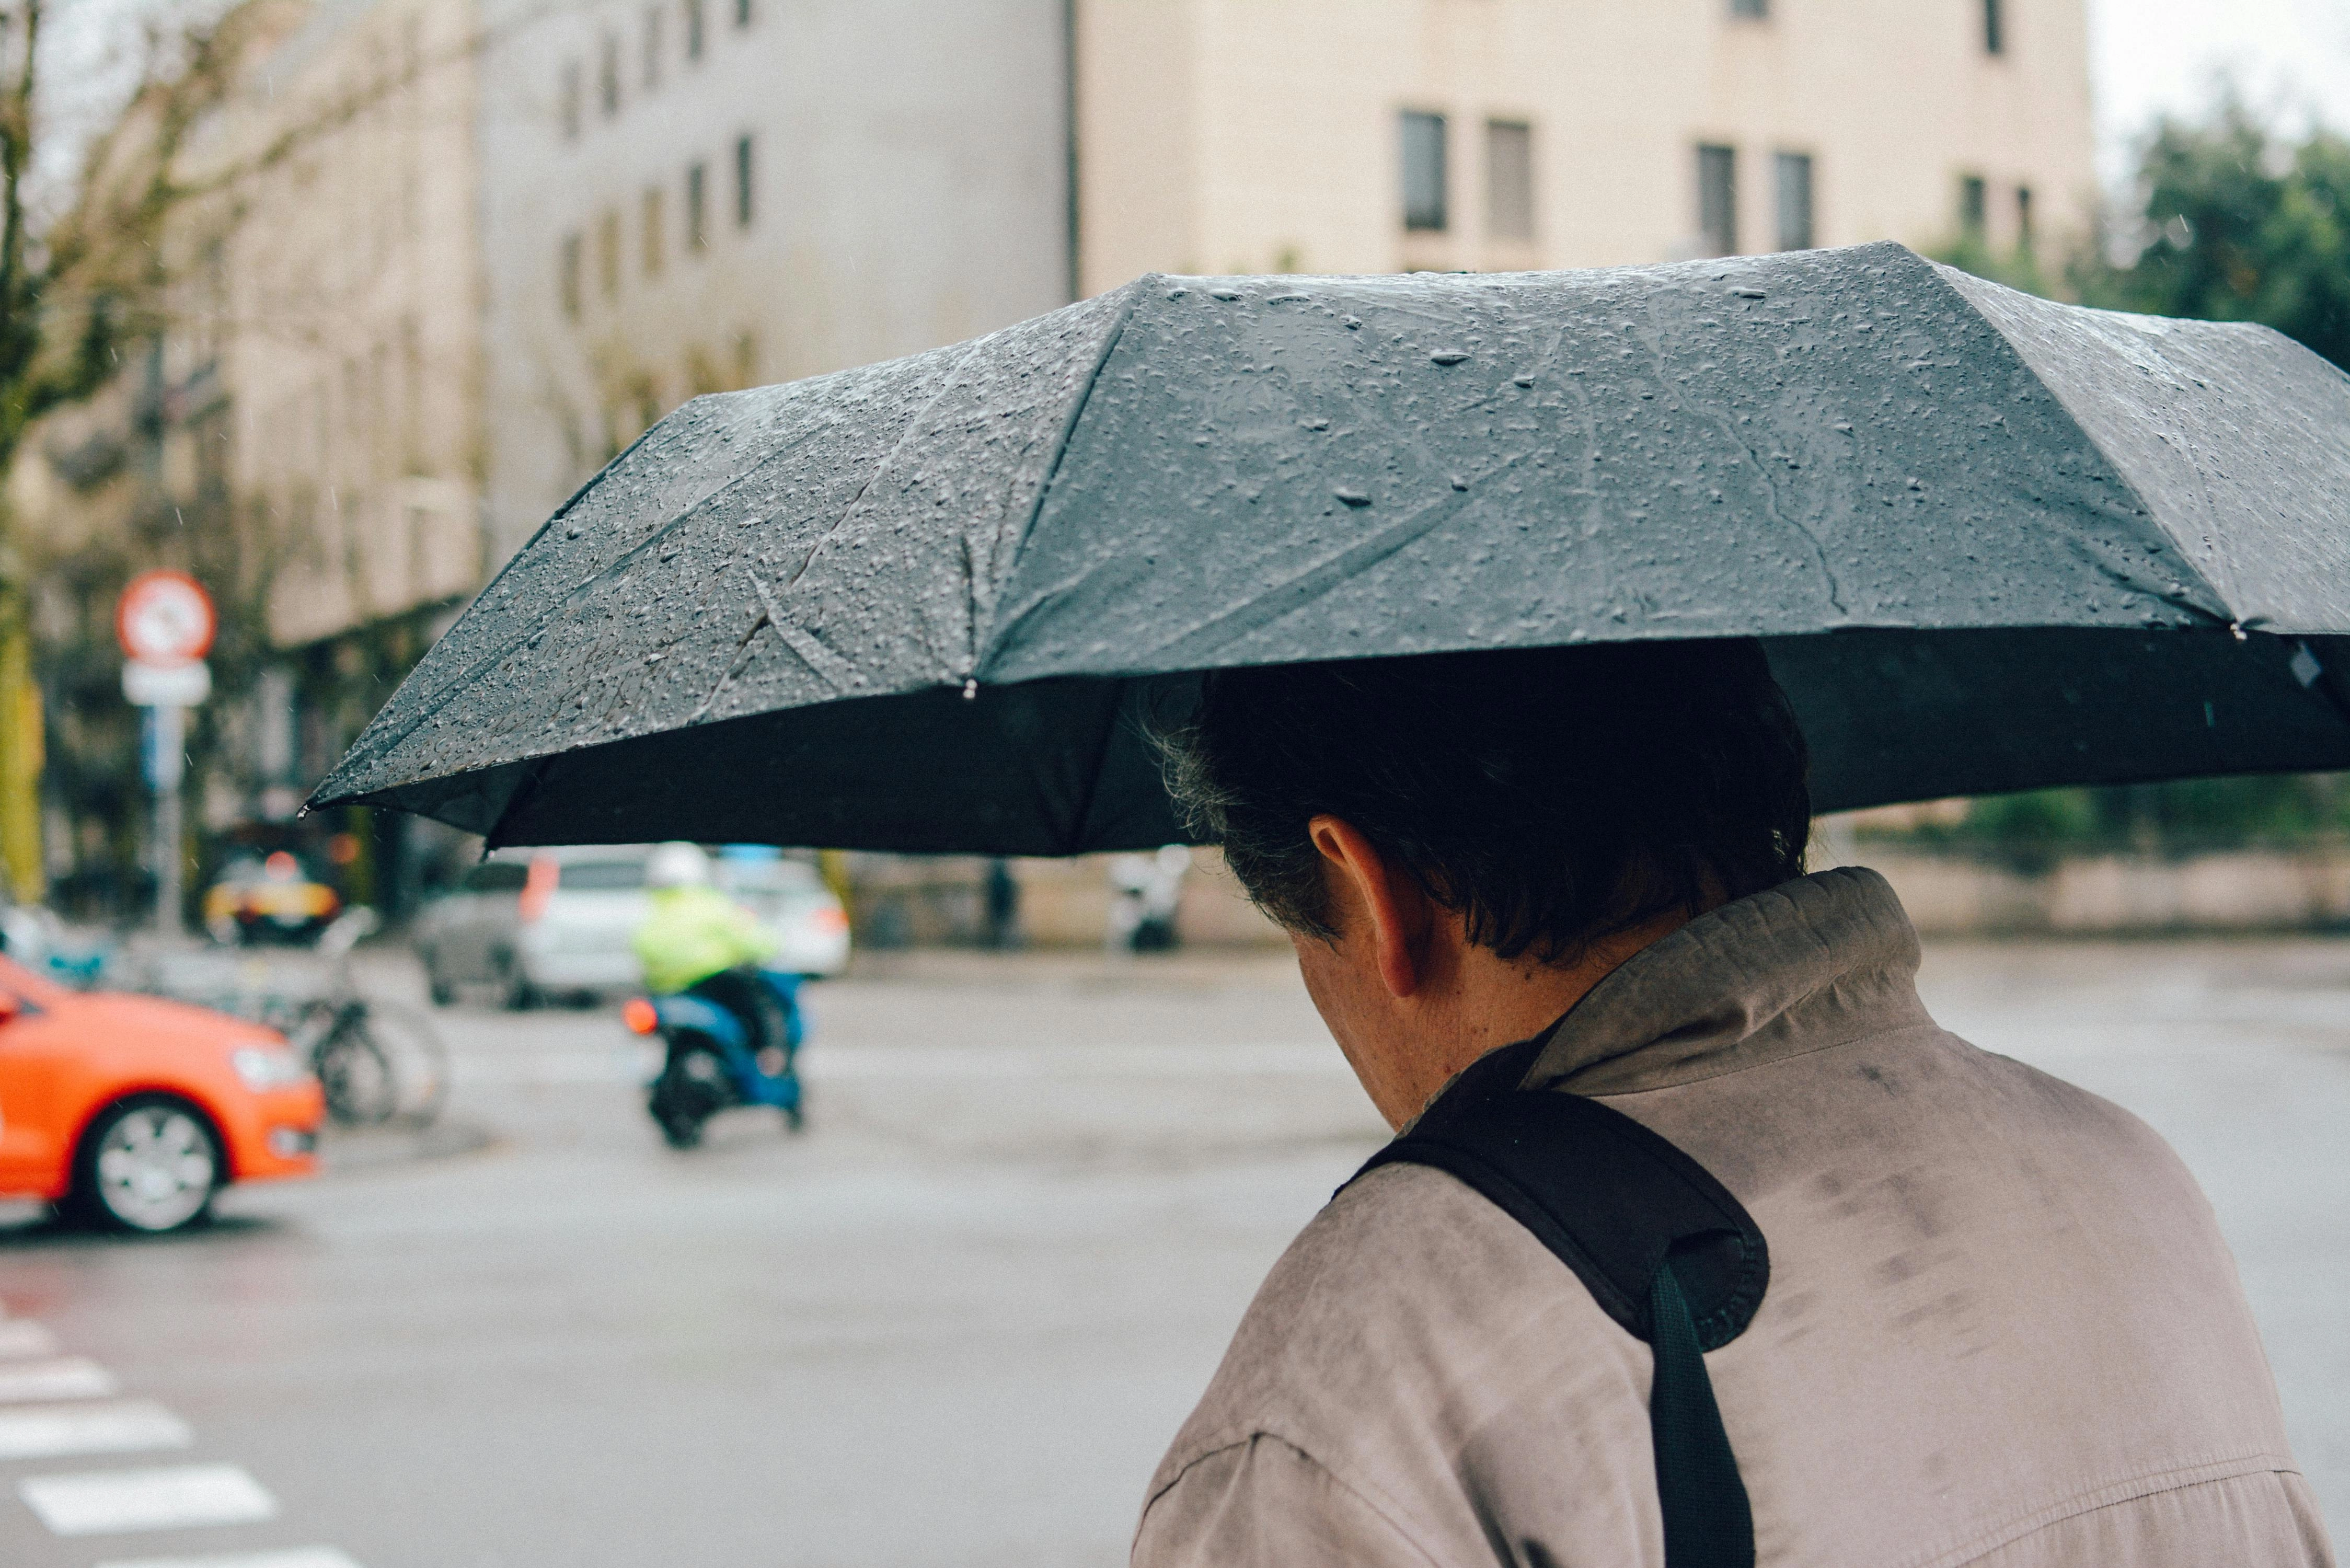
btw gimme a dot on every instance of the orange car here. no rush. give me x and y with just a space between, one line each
131 1112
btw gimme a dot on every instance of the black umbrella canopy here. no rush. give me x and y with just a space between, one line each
1995 542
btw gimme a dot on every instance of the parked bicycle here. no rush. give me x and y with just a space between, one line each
376 1059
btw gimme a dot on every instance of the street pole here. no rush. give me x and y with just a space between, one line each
166 733
21 868
166 622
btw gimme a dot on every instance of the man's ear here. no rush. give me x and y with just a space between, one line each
1373 890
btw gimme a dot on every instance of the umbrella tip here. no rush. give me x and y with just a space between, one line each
970 691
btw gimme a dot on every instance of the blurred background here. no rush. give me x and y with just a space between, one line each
328 304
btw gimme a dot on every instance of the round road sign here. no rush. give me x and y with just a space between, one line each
165 618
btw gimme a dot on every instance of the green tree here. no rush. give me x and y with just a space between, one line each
2240 225
2233 222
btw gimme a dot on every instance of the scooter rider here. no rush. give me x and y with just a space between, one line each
699 941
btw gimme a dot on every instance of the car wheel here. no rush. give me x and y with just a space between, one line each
150 1163
436 985
520 995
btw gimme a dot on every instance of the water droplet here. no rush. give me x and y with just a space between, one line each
1352 497
1748 293
1448 357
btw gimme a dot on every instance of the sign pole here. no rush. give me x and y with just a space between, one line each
165 621
166 730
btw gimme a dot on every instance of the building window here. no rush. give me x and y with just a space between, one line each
652 48
742 13
1509 180
568 283
697 207
608 253
1754 10
568 100
1717 200
1994 28
608 77
1423 173
655 230
693 29
1794 194
743 183
1973 199
2024 217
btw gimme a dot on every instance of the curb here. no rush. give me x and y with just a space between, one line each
371 1149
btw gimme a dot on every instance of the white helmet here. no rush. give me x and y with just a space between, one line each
677 865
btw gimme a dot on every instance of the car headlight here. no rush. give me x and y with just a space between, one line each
264 1067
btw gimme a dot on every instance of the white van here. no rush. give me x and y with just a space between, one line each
537 923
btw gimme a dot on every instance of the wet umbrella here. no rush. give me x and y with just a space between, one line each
1994 541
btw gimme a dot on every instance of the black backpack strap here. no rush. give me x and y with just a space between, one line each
1662 1247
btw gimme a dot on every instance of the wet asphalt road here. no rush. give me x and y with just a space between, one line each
956 1321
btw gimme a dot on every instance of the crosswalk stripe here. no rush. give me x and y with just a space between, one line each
300 1557
67 1377
103 1502
54 1431
21 1336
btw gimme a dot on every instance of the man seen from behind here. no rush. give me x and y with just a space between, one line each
2000 1325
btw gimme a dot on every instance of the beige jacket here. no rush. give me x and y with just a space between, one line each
2002 1327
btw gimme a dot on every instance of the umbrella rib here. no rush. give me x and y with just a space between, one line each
2025 340
1110 341
947 384
1312 583
1101 759
466 678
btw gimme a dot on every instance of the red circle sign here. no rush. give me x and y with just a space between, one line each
165 617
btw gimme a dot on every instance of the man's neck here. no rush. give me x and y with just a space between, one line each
1490 1002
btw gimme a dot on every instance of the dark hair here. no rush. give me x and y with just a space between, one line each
1553 796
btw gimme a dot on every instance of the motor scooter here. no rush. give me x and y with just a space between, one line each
708 1063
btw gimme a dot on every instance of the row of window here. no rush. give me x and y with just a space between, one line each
1717 200
1974 210
1509 177
1509 186
1994 16
652 232
693 23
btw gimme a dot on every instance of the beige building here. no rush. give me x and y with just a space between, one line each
1351 136
686 196
443 257
352 340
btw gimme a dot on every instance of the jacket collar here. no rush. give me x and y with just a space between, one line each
1808 964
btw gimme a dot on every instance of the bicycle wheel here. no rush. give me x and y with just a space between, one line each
361 1087
407 1038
